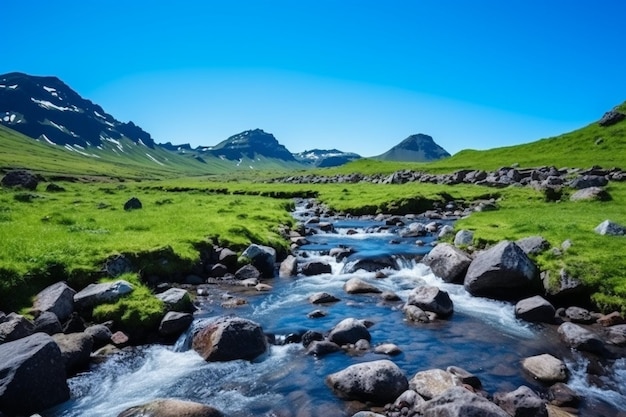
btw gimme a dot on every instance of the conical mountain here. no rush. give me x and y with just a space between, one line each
415 148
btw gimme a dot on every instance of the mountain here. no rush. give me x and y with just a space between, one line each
326 158
415 148
251 144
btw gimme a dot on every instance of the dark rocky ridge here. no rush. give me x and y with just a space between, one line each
250 144
415 148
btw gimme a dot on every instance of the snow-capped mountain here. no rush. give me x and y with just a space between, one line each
326 157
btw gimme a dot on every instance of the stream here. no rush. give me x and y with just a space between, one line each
482 336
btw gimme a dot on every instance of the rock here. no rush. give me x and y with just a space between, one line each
322 298
57 298
616 335
288 267
433 382
54 188
322 347
533 245
218 271
47 322
430 298
310 336
349 331
459 402
104 353
591 194
448 262
379 382
387 349
562 395
522 402
358 286
316 314
463 238
535 309
230 338
316 268
588 181
14 327
228 258
263 258
95 294
416 314
465 377
445 231
175 323
413 230
611 319
75 350
20 178
100 334
74 324
566 288
133 204
546 368
370 263
194 280
390 296
117 265
503 272
248 272
408 399
610 228
367 414
119 339
171 408
579 338
611 117
579 315
32 375
262 287
176 299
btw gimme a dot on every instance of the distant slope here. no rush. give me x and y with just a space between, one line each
415 148
325 158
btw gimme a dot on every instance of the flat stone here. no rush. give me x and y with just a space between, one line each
546 368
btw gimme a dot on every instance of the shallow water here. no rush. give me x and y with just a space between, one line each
482 336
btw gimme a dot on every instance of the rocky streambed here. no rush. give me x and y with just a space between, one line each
365 317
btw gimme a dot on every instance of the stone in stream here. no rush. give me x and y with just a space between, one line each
502 272
546 368
580 338
247 272
263 258
430 298
171 408
562 395
459 402
416 314
32 375
316 268
379 382
616 335
579 315
288 267
57 298
322 298
349 331
387 349
95 294
100 334
465 377
358 286
432 382
370 263
322 347
448 262
611 319
176 299
75 349
229 338
175 323
521 402
535 309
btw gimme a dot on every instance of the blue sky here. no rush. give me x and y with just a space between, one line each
357 75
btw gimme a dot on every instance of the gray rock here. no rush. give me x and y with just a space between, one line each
358 286
580 338
176 299
463 238
387 349
367 414
75 349
459 402
579 315
562 395
227 258
229 338
47 322
95 294
32 375
370 263
610 228
218 271
611 117
248 272
591 194
522 402
322 298
587 181
416 314
465 377
57 298
546 368
565 288
263 258
316 314
117 265
288 267
349 331
133 204
432 382
502 272
445 231
171 408
379 382
535 309
322 347
430 298
533 245
100 334
448 262
616 335
20 178
310 336
316 268
14 327
175 323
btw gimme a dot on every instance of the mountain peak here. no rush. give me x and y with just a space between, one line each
416 148
252 144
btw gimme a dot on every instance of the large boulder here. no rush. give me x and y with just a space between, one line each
288 267
610 228
171 408
591 194
57 298
502 272
433 382
100 334
369 263
75 349
20 178
533 245
133 204
175 323
15 326
95 294
430 298
176 299
565 288
459 402
448 262
248 272
262 257
379 382
32 375
48 323
535 309
523 402
358 286
349 331
230 338
316 268
611 117
580 338
587 181
546 368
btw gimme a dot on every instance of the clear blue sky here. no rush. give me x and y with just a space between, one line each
358 75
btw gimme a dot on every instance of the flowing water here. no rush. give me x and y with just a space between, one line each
483 336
